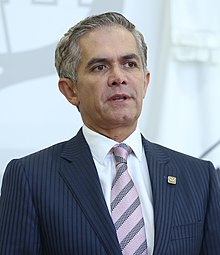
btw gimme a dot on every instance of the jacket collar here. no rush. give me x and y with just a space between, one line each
81 177
160 168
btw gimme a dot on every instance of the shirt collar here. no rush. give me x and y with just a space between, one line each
101 145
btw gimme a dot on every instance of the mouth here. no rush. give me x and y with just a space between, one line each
119 98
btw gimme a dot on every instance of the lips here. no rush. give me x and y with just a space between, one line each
119 97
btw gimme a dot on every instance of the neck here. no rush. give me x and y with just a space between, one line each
117 134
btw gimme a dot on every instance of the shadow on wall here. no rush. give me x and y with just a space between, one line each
39 62
211 149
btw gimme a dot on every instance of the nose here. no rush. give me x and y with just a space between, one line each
117 77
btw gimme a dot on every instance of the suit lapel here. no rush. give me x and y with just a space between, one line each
163 194
81 177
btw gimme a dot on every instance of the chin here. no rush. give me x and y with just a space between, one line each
124 120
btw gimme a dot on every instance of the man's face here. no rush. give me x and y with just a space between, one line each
111 83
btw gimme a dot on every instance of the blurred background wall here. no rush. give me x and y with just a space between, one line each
181 109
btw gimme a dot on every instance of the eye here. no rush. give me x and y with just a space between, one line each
99 68
130 64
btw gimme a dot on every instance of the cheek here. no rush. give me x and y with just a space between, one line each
140 89
90 98
144 88
144 92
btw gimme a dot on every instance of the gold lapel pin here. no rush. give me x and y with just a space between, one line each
171 180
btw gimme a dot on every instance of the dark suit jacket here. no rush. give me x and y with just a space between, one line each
52 203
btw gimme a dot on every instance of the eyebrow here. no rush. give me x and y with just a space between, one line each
131 56
94 61
105 60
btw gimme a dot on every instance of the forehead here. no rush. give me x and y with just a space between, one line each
107 42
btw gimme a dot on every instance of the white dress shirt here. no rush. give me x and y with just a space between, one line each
100 147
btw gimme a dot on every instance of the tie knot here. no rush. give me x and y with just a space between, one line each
121 152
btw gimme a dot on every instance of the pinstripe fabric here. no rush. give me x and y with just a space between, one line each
51 204
218 174
186 215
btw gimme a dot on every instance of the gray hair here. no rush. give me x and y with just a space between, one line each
68 52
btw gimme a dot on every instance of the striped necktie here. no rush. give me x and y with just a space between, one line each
126 208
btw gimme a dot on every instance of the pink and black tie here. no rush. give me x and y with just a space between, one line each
126 208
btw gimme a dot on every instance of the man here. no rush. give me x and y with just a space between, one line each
59 200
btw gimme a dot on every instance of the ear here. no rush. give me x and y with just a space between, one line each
146 81
67 88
